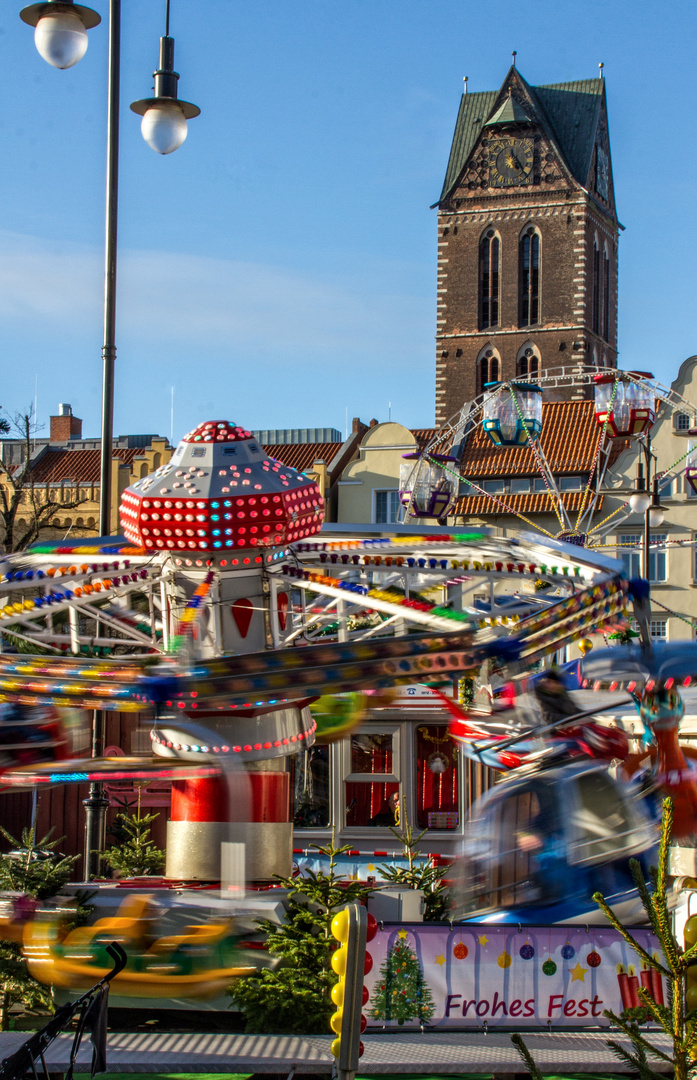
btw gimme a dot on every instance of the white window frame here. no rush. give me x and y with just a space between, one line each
655 554
392 728
397 505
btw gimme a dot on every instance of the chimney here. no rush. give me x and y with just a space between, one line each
65 426
359 428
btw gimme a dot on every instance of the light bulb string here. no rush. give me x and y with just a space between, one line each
601 441
540 465
499 502
619 509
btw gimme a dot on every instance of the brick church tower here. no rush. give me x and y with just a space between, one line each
527 238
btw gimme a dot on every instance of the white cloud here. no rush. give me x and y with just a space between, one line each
210 303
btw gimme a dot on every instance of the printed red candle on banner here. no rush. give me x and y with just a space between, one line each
623 983
657 986
633 990
646 981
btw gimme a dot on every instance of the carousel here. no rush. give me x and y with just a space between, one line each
270 659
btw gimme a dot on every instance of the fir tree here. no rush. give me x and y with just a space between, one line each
134 854
35 870
401 992
294 998
420 873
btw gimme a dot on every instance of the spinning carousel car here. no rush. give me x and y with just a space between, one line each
539 845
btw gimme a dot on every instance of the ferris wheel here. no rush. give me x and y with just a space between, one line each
509 415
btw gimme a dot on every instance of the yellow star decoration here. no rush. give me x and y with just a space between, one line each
578 973
483 939
370 866
403 933
440 960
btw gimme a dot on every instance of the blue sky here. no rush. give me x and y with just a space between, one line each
279 269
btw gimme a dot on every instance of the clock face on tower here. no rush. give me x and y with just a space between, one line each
510 162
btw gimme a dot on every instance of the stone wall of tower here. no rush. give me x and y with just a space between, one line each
567 221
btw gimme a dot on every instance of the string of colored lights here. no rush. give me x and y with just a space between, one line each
190 614
396 601
59 547
19 607
580 612
332 668
490 495
625 504
596 456
532 443
683 618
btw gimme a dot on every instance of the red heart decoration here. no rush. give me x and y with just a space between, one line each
282 599
242 611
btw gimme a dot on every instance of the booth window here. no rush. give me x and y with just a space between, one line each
437 780
372 783
309 778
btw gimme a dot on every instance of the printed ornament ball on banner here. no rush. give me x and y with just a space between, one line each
568 951
526 951
549 967
460 951
593 959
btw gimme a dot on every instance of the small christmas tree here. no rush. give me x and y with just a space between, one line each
135 854
401 992
420 873
36 871
294 998
677 1019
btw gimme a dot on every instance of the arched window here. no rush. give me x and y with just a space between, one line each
606 295
529 278
489 367
528 364
156 461
144 469
596 288
489 279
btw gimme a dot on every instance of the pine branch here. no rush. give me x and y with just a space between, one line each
527 1057
632 1032
638 1063
615 922
659 1012
644 895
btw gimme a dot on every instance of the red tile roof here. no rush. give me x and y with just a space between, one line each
533 503
569 439
423 436
83 466
301 456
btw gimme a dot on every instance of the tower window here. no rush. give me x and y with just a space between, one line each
489 256
596 288
489 370
529 278
606 296
528 365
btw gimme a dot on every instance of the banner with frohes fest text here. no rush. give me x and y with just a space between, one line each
505 975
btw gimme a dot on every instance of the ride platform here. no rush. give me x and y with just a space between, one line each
409 1054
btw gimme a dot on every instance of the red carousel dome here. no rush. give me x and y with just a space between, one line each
220 492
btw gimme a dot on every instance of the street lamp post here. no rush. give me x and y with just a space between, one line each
61 39
645 500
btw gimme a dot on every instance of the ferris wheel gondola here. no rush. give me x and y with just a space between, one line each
509 416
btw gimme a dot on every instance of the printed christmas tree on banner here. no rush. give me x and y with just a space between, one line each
401 992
